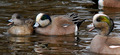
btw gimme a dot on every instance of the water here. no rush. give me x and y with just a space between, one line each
50 45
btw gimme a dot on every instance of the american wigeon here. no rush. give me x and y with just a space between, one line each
20 26
59 25
104 43
108 3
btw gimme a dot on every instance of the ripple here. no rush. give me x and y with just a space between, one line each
50 45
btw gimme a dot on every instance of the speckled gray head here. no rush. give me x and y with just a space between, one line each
16 19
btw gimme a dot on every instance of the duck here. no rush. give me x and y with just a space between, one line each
108 3
56 25
20 26
103 42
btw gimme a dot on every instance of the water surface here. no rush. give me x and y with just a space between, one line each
50 45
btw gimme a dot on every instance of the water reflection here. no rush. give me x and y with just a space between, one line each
59 45
55 45
20 45
49 45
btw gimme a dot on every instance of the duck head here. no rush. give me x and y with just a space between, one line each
16 19
103 23
42 20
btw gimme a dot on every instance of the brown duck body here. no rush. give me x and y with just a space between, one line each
60 25
112 3
101 44
108 3
21 30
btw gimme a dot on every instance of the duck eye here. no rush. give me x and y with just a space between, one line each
98 19
44 17
18 17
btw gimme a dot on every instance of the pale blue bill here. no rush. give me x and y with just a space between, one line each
36 24
10 20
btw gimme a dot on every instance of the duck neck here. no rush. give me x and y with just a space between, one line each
104 31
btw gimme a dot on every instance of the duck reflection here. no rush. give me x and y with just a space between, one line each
21 45
56 45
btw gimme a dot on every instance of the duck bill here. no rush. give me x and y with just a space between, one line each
11 22
91 29
91 26
36 25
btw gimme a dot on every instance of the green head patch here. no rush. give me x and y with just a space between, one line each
108 21
104 19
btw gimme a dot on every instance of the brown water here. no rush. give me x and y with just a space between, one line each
50 45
